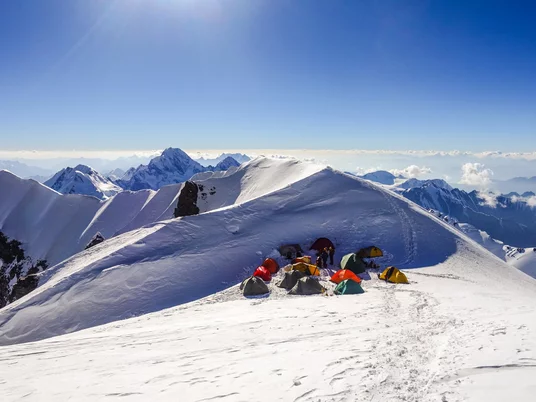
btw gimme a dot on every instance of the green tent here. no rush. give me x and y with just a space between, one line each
353 263
307 286
348 287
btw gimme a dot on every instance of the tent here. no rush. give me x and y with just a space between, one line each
263 273
353 263
290 279
307 269
370 252
322 243
254 286
344 274
290 251
393 275
307 286
306 259
271 265
348 287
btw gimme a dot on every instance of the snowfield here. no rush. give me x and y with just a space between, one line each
155 313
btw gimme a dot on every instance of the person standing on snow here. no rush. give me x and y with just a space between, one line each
331 253
325 256
319 261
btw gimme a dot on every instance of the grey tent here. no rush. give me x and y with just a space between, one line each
290 251
254 286
290 279
307 286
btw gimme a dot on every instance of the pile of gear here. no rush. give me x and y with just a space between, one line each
302 277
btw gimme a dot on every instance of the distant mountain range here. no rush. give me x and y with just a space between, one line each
173 166
241 158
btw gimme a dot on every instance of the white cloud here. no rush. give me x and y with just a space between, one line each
411 172
476 174
489 199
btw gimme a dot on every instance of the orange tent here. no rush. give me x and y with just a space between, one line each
344 274
271 265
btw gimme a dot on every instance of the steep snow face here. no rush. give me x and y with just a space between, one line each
167 263
251 180
226 164
523 259
83 180
173 166
414 183
53 226
381 176
484 239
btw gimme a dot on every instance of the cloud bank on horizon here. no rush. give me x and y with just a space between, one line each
464 168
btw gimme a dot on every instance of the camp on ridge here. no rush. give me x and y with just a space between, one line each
294 271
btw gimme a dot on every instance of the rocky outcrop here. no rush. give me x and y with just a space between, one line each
187 204
18 273
97 239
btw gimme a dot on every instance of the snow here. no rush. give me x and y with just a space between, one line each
172 167
155 313
381 176
53 226
438 339
524 261
412 183
83 180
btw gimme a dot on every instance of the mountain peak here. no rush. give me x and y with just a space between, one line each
82 179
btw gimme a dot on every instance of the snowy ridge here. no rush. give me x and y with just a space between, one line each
83 180
440 338
54 226
165 264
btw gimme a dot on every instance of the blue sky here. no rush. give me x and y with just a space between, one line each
147 74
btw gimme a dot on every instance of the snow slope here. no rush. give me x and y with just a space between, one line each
462 330
166 264
83 180
524 261
54 226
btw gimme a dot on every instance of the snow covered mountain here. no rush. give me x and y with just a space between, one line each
510 219
438 338
240 158
173 166
381 176
53 226
415 183
83 180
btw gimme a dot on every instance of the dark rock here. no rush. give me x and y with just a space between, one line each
187 204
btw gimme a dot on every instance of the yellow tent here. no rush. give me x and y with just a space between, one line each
370 252
393 275
308 269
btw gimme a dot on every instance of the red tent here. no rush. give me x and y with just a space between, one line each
271 265
263 273
322 243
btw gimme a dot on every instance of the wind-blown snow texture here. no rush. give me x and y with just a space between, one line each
462 330
54 227
83 180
